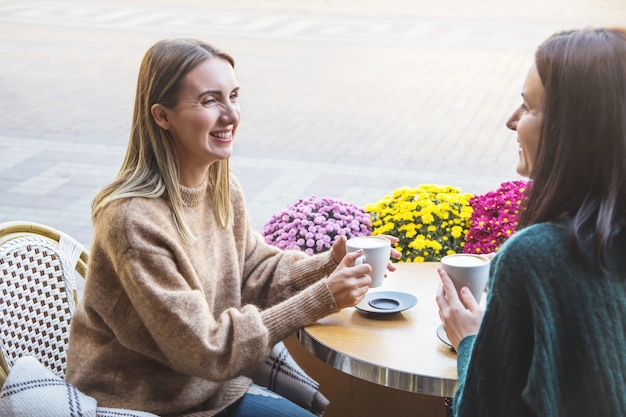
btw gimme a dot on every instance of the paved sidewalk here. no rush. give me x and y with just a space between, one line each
349 99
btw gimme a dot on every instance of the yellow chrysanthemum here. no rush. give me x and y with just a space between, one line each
430 221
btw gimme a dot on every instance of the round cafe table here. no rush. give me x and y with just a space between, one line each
399 350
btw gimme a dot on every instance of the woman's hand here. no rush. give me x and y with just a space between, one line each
460 317
348 283
338 249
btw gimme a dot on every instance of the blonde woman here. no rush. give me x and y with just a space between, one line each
182 297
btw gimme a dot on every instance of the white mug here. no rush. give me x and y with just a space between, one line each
468 270
376 253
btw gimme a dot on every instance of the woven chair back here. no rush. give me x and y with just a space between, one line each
38 296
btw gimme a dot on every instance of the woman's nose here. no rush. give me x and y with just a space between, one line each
231 113
512 122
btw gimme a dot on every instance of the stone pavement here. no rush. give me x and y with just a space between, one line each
349 99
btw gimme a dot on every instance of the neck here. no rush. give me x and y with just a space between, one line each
193 178
193 195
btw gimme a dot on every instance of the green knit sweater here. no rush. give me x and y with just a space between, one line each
553 339
168 326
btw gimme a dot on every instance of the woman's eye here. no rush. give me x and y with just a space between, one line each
524 108
234 95
207 101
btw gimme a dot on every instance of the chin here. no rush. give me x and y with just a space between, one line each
224 153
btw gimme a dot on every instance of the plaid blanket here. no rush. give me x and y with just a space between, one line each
281 374
33 390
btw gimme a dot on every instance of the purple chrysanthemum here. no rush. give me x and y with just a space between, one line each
312 224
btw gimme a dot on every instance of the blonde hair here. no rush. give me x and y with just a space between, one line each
150 168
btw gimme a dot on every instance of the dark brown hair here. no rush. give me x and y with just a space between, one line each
580 168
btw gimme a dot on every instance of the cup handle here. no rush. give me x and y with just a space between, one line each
360 260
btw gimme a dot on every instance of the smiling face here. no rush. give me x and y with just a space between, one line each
526 121
204 120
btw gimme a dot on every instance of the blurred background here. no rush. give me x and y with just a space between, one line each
349 99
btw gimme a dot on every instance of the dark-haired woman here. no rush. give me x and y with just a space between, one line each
551 340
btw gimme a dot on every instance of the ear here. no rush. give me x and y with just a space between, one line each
159 113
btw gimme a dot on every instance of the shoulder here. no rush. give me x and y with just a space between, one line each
540 232
128 211
236 189
538 240
531 257
237 197
135 222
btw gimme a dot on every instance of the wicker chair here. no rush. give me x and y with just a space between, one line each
38 293
38 296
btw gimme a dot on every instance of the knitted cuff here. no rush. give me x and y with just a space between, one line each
306 307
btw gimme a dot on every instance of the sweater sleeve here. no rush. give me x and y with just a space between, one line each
286 285
271 275
463 357
493 365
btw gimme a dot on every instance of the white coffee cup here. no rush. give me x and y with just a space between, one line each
468 270
376 253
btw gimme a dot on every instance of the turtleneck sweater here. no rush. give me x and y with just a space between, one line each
170 326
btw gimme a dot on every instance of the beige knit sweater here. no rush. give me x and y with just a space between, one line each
169 327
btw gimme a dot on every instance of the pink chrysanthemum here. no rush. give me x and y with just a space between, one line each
494 217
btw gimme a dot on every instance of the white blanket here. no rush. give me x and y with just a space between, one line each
32 390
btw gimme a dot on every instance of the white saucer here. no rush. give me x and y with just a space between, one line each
441 334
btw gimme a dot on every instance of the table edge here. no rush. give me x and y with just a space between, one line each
388 377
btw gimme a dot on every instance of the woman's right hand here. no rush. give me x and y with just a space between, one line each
462 316
349 283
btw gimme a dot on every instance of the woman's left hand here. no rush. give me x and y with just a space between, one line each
339 250
461 317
